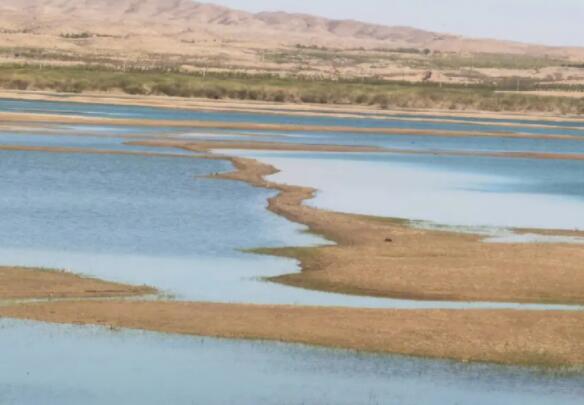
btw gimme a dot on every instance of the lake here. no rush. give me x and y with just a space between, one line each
161 221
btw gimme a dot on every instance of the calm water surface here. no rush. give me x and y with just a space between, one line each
103 143
404 142
160 221
460 191
157 221
151 113
71 365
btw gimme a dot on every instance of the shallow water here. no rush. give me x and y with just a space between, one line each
150 113
570 123
459 191
158 221
403 142
101 143
482 119
71 365
142 219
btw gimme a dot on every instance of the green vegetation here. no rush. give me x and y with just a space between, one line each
277 89
413 58
486 61
80 35
308 55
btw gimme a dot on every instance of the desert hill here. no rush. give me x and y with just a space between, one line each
192 36
176 21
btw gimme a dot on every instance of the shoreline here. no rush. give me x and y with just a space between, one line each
28 118
552 340
170 102
90 151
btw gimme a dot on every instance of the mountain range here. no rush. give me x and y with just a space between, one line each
167 25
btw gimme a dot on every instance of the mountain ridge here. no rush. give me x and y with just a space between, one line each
183 18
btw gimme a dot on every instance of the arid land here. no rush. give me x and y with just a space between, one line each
191 50
195 38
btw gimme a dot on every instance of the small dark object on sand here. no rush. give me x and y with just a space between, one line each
388 240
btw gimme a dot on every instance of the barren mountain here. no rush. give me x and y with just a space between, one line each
173 22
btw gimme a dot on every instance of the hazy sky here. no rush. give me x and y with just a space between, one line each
555 22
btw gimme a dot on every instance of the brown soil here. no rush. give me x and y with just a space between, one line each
22 283
509 337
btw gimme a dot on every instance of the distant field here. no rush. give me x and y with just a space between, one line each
273 88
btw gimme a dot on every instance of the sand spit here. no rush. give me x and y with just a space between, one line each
203 146
23 283
389 258
551 339
90 151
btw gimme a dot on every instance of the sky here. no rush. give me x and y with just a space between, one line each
552 22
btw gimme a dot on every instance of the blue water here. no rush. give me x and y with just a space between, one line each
43 364
571 122
450 190
99 143
150 113
516 121
144 220
405 142
160 221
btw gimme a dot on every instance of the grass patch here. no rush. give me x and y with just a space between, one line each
272 88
